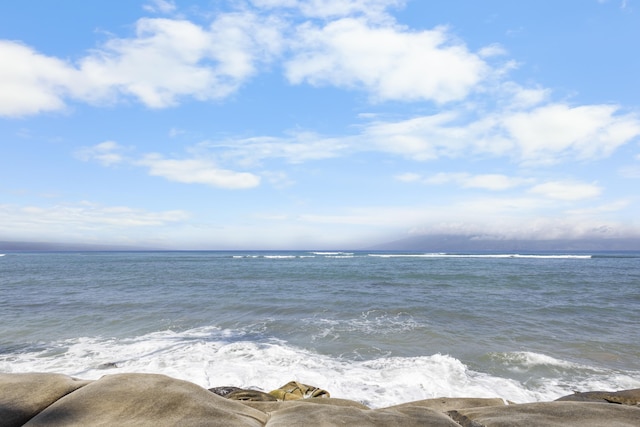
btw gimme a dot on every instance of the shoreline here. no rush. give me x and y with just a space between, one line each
48 399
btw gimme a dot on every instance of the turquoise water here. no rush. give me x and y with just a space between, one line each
382 328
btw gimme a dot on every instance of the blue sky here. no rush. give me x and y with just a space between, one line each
317 124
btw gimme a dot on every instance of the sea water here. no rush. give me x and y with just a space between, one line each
378 328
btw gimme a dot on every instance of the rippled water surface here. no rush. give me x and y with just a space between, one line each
522 326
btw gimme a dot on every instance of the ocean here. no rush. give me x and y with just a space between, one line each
379 328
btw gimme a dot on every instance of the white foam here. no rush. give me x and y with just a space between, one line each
280 256
530 359
213 357
445 255
332 253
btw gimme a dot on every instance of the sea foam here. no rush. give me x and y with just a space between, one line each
213 357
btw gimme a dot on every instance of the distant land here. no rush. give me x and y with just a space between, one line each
430 243
457 243
53 246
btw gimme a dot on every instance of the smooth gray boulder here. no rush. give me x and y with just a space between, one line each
146 400
550 414
624 397
149 400
23 396
445 404
301 413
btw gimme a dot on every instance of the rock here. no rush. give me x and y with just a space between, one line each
549 414
141 400
278 405
251 395
145 400
22 396
224 390
624 397
302 413
445 404
294 390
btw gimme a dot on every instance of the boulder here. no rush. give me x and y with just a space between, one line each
445 404
549 414
146 400
294 390
624 397
303 413
52 400
22 396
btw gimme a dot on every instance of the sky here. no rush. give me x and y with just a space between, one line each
318 124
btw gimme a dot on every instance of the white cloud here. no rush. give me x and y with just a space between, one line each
389 62
547 134
567 190
197 171
521 98
422 138
160 6
72 222
494 217
192 170
585 132
166 60
30 82
518 218
492 182
409 177
333 8
492 50
107 153
297 148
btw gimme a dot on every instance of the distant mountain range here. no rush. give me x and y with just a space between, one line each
456 243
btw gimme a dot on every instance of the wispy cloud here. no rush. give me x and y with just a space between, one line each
160 6
493 182
546 134
567 190
197 171
72 221
189 170
107 153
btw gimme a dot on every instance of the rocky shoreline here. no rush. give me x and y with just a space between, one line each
45 399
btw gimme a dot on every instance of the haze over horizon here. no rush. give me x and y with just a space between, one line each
286 124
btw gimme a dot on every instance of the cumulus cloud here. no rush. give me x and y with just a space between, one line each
389 62
355 45
31 82
586 132
169 59
166 60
